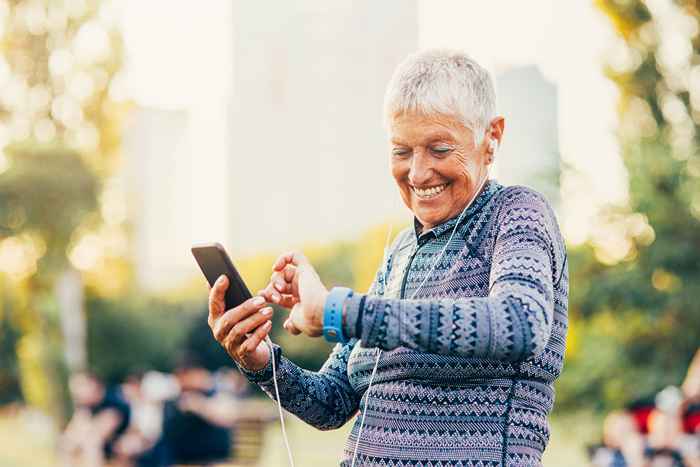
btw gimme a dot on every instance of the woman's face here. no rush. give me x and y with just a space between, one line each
436 164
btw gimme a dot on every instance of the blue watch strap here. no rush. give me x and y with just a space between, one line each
333 314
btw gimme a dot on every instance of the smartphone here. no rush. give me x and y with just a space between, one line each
214 261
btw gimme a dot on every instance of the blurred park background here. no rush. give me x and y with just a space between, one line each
130 130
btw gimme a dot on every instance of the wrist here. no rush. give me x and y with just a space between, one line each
254 368
321 310
264 372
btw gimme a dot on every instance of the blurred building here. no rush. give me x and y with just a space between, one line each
529 154
288 149
309 156
156 148
174 183
175 143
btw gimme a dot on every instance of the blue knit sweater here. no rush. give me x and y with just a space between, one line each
467 367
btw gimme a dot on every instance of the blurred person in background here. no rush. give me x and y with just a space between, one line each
691 393
667 444
100 417
230 381
467 316
659 433
197 424
623 442
141 445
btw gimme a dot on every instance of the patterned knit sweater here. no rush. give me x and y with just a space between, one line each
468 362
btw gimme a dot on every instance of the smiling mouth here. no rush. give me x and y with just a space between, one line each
429 192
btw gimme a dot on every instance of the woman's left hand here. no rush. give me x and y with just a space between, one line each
295 285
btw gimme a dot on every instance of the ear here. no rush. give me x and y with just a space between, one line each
496 128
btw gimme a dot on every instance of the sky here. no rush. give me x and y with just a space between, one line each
179 62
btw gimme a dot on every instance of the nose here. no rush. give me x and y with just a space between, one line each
421 169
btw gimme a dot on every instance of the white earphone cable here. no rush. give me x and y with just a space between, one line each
279 404
379 351
430 271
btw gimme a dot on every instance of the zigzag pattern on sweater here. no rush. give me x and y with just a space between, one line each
467 370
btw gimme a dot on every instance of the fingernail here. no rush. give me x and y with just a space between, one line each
258 301
220 279
266 311
268 325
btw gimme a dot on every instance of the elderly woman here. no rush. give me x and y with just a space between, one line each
451 356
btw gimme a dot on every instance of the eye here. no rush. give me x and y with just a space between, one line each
400 152
440 149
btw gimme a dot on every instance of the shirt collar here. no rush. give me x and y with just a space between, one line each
489 189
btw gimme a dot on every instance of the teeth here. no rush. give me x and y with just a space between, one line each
430 192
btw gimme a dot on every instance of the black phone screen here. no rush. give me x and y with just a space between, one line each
214 261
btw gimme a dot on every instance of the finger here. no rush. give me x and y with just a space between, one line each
290 328
279 280
270 294
296 258
299 259
282 261
256 338
289 271
239 332
216 297
225 323
288 301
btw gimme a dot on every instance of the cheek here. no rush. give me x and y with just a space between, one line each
400 173
464 162
459 168
463 170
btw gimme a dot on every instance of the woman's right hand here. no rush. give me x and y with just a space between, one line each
240 330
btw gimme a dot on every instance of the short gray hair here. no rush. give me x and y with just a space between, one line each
440 81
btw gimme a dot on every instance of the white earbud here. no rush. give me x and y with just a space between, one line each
492 145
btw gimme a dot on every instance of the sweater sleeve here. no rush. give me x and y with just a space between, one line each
512 323
324 399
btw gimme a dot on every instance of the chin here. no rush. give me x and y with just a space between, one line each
431 219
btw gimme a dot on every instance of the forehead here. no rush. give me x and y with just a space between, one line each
416 128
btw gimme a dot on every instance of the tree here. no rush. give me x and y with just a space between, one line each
640 317
57 66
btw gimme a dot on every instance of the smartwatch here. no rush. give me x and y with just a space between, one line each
333 314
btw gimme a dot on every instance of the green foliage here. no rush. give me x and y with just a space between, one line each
198 340
46 189
61 147
125 336
637 322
